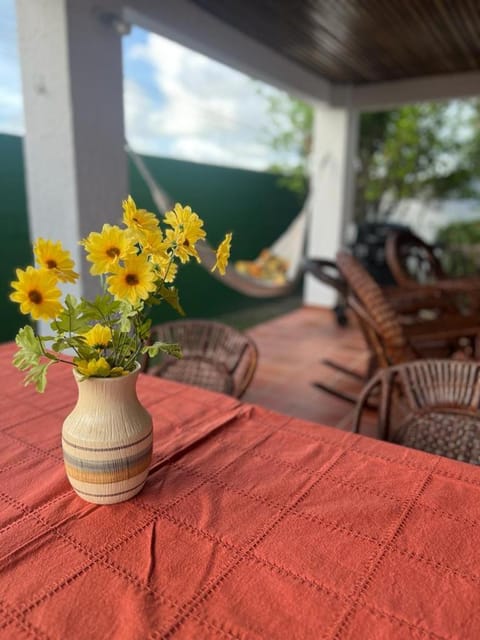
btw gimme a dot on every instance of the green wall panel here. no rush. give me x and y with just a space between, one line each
15 248
248 203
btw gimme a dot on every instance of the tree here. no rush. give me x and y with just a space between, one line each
427 150
291 136
416 151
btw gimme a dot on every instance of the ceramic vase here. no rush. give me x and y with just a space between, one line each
107 440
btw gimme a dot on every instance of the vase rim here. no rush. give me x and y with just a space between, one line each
79 378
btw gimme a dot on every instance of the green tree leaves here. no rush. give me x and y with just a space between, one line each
425 150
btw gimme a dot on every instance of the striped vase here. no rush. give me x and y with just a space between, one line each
107 440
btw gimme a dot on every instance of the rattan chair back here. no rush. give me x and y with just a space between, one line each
377 318
215 356
327 272
411 260
432 405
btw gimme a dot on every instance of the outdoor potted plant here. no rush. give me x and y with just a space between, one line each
107 439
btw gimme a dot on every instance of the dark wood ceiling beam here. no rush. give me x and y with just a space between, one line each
362 41
188 24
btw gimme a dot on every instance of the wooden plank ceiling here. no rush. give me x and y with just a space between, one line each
362 41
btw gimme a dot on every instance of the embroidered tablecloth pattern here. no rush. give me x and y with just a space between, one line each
251 525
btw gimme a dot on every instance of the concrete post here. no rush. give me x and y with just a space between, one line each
335 138
73 96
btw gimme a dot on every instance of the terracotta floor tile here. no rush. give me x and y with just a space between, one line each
291 350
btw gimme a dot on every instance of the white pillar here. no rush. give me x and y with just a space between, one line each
73 99
335 136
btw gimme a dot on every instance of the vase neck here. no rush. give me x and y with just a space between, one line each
114 389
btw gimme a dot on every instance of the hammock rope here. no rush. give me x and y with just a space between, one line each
289 247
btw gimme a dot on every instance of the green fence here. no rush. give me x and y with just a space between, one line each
249 203
15 250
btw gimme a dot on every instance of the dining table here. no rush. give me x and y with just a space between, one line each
251 524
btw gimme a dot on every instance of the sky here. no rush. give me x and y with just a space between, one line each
177 102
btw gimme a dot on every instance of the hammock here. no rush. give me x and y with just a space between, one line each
276 272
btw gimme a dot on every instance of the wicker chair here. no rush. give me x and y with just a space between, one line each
411 260
327 272
414 263
215 356
432 405
404 302
395 339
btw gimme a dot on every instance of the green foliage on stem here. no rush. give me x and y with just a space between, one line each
31 357
171 349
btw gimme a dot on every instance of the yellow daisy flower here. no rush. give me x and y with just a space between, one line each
186 231
223 254
37 293
99 336
116 372
134 281
98 368
139 220
107 248
51 255
154 245
167 270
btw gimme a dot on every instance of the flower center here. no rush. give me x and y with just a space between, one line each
113 252
131 279
51 264
35 296
186 242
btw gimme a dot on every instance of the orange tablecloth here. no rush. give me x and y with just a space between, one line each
251 525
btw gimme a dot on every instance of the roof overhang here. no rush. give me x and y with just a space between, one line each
197 25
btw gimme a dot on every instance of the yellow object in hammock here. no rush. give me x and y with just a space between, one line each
266 267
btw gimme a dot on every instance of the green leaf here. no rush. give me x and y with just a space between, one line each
101 308
28 358
71 318
127 312
59 345
84 350
170 295
38 376
29 345
172 349
125 323
152 301
144 329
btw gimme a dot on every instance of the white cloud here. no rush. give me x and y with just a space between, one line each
11 101
188 107
206 112
11 111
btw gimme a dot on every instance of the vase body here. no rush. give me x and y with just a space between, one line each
107 440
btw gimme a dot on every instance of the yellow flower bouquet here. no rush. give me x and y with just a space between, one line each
137 264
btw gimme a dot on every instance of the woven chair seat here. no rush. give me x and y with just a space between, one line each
431 405
198 372
215 356
450 434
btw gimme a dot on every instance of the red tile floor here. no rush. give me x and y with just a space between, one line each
291 348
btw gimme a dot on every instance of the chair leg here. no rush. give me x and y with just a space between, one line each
339 394
342 395
345 370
